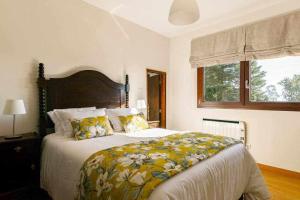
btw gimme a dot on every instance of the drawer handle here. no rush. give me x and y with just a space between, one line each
18 149
32 167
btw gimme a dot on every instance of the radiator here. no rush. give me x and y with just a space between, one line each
234 129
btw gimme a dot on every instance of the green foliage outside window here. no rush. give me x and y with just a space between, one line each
291 88
261 92
258 82
222 84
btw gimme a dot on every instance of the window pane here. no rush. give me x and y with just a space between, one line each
222 83
275 80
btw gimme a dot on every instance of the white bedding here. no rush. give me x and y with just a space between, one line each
223 177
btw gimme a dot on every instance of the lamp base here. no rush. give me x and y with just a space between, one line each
13 137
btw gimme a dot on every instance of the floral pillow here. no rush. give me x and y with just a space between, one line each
133 123
91 127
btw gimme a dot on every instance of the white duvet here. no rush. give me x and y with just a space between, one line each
225 176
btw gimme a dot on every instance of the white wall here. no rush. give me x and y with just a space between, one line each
65 35
274 136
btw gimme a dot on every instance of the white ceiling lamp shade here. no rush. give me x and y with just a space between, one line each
184 12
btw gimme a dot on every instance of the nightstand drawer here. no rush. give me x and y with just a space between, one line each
17 150
16 170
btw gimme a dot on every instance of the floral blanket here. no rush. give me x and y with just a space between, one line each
133 171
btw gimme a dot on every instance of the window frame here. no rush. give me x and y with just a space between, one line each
215 104
244 102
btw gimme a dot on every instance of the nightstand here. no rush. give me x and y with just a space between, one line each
19 166
154 124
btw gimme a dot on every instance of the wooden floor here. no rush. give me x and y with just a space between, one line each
282 187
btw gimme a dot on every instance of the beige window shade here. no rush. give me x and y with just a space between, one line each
220 48
272 38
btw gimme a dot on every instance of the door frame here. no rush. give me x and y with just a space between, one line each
163 95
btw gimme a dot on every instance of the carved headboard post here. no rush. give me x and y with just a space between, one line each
127 89
42 100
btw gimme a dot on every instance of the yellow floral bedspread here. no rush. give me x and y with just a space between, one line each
133 171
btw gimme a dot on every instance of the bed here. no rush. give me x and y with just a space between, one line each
230 175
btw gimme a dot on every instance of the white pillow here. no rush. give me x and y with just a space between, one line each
113 116
57 121
68 116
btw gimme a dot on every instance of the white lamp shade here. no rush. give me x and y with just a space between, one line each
184 12
141 104
15 107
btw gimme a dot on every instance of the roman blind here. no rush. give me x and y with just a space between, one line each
220 48
275 37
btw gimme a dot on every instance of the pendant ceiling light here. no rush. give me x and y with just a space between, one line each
184 12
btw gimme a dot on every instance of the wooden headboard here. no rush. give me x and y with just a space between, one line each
82 89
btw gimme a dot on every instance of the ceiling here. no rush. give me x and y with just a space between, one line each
153 14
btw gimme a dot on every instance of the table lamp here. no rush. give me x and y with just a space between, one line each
14 107
141 105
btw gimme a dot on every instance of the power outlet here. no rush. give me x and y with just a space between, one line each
248 146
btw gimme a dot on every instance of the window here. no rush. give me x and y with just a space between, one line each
272 84
275 80
222 83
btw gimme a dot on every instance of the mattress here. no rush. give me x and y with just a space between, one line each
224 176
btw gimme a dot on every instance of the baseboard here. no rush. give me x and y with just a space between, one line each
279 170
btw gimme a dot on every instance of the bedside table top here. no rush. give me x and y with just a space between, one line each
25 136
153 121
